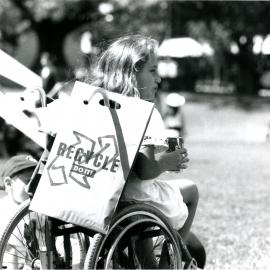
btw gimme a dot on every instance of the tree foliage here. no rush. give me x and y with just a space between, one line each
53 20
218 22
222 23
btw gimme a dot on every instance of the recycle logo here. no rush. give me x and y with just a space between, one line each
88 156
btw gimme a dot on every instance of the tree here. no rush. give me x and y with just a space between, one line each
50 20
54 20
222 23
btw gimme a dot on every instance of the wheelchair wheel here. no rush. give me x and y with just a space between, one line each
140 238
22 244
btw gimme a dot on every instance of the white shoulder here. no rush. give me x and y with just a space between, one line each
155 133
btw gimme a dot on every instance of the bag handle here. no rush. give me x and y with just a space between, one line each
118 130
104 95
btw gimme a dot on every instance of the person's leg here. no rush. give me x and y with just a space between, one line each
144 254
190 196
196 249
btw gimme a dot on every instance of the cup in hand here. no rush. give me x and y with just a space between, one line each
174 142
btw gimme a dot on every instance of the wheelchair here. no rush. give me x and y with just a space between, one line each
34 241
139 237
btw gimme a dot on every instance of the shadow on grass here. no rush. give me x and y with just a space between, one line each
245 103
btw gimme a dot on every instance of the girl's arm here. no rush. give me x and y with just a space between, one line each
149 166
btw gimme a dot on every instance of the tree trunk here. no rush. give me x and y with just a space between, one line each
51 37
247 81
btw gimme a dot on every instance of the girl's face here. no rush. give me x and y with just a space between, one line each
148 79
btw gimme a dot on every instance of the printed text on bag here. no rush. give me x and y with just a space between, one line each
89 157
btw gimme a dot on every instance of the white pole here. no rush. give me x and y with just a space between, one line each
13 70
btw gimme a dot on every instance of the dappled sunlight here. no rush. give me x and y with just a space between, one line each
232 220
225 123
229 161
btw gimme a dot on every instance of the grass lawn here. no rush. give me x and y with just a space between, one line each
230 163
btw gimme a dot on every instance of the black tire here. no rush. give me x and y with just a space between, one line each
119 248
20 243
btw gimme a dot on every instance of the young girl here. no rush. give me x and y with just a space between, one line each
129 67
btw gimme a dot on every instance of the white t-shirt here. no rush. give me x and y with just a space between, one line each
155 133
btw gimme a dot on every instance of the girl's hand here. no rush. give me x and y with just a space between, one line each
173 161
182 158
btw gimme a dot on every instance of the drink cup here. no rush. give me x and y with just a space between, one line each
174 142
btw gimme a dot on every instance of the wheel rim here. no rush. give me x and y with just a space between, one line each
21 248
152 258
97 255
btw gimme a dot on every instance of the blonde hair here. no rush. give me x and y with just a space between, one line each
117 66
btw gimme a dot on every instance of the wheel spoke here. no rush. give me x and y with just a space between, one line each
139 238
19 243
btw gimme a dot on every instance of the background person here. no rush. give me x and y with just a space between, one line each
173 116
15 175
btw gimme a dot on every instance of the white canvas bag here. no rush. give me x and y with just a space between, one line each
91 157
